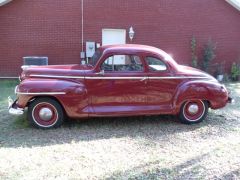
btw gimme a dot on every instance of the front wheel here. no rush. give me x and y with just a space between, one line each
193 111
45 113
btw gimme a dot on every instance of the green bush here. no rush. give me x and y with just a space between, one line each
209 54
235 71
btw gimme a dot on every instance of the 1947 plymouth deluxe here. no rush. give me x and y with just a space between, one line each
119 80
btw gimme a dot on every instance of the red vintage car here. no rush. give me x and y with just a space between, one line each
119 80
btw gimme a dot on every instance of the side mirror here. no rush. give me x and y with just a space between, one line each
102 72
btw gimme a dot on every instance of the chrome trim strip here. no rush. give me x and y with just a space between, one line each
115 77
179 77
40 93
89 77
145 78
50 76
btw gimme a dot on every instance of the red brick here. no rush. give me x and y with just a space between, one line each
53 28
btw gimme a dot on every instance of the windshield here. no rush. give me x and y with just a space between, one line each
95 58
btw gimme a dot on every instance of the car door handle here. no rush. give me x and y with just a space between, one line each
100 73
144 78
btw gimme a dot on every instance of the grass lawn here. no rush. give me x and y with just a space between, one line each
156 147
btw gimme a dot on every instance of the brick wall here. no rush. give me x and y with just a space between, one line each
53 28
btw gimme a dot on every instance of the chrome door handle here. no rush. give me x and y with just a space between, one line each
144 78
100 73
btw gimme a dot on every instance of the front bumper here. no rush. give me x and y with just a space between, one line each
13 109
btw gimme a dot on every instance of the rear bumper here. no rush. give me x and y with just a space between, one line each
231 100
13 108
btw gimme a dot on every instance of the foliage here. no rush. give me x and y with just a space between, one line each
226 78
235 71
193 51
209 54
220 69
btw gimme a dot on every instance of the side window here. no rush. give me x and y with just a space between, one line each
155 64
122 63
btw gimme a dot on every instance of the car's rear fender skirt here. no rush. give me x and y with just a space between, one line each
72 95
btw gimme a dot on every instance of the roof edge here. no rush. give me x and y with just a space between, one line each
234 4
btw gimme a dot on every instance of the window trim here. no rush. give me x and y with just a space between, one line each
148 68
124 54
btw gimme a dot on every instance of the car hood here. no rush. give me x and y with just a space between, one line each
55 70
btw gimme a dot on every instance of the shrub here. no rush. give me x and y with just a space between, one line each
235 71
209 54
193 51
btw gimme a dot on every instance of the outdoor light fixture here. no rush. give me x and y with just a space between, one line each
131 33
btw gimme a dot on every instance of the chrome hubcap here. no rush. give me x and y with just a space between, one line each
45 114
193 109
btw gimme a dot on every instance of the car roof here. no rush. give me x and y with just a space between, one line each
137 48
132 47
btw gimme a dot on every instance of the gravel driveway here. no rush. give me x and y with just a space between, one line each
122 148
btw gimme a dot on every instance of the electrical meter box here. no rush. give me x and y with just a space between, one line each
90 49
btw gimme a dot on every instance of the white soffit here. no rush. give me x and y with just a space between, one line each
2 2
234 3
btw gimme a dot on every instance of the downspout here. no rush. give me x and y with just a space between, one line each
82 26
82 52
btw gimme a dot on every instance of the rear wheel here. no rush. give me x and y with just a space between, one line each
193 111
45 113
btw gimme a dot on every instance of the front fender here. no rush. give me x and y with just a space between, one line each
72 95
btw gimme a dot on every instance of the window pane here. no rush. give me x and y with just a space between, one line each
122 63
155 64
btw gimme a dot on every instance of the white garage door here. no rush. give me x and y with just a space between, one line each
113 36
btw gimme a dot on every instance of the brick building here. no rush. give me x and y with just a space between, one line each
59 28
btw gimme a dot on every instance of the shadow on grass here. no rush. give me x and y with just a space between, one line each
15 132
190 169
152 129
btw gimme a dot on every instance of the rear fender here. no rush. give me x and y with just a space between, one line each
189 91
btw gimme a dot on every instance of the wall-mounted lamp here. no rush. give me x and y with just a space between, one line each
131 33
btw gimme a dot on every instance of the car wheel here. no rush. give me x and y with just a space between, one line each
45 113
193 111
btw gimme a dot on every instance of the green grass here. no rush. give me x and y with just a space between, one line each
7 89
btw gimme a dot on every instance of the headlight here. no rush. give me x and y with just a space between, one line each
223 88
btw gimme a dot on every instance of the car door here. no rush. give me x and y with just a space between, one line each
161 85
119 86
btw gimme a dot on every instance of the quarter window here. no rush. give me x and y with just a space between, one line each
155 64
122 63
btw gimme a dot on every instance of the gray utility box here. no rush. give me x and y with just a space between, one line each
35 61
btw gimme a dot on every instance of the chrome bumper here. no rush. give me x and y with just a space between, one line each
231 100
13 109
